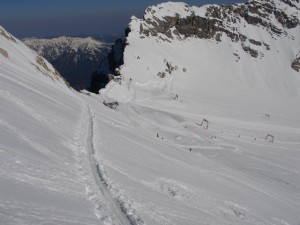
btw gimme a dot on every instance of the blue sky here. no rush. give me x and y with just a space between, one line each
41 18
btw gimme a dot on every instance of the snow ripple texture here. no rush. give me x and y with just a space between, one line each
110 207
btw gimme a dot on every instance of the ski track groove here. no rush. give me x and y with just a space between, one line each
109 207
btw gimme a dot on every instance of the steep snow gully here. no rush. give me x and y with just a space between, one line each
109 208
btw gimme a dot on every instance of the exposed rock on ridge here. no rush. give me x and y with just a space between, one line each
108 66
213 21
21 51
296 63
257 32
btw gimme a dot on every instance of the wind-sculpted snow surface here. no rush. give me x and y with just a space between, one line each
110 207
39 183
242 169
66 158
175 172
49 170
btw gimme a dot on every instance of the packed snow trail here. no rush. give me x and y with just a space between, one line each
117 215
109 209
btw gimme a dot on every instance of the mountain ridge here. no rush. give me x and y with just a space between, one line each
15 52
188 133
213 21
39 181
75 58
247 45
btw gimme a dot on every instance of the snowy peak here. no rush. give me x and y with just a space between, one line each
168 9
53 48
75 58
169 21
7 35
239 53
14 52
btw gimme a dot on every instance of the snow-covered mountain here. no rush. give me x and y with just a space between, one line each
39 182
14 53
234 68
241 53
196 137
74 58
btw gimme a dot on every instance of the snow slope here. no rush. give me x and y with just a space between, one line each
175 171
39 178
68 159
218 68
227 174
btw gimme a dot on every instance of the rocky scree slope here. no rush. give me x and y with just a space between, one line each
74 58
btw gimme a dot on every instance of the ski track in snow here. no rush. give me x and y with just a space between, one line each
110 208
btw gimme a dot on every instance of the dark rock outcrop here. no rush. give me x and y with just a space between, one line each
7 36
296 63
177 21
108 66
3 52
221 20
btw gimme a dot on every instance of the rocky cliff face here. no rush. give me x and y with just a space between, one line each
244 52
214 21
108 66
74 58
264 30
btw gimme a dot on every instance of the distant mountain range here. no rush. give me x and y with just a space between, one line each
74 58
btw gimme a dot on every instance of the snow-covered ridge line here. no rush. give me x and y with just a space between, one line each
16 52
75 58
256 29
74 43
148 158
169 21
225 36
38 179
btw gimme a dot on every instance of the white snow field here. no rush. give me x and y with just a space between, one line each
65 158
176 172
40 179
